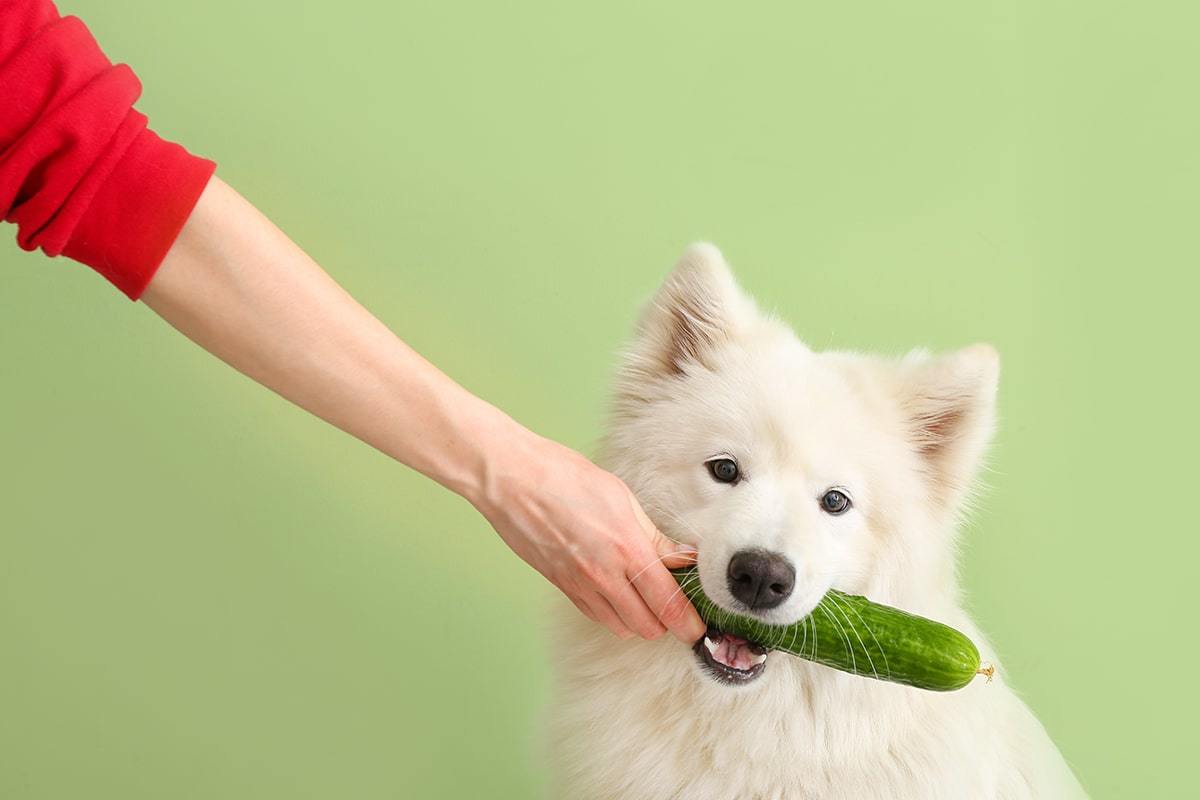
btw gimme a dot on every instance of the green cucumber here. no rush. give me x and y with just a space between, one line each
850 633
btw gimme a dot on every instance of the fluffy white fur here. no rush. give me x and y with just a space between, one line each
708 373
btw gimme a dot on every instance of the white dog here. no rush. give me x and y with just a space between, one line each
791 472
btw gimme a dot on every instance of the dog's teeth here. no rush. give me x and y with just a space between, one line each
757 659
711 645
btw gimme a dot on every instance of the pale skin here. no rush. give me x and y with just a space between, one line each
241 289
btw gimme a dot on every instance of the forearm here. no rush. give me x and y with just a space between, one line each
237 286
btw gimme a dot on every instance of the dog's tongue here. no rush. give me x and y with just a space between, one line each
734 651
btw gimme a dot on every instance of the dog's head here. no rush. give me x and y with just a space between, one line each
793 471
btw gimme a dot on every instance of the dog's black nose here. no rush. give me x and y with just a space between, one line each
760 578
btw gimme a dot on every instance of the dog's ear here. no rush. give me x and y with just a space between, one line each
949 405
698 307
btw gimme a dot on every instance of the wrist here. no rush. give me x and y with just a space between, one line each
480 470
504 452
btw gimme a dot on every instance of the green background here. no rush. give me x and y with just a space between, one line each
205 593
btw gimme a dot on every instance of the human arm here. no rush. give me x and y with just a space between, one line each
81 175
237 286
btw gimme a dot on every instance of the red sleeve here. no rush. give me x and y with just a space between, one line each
80 173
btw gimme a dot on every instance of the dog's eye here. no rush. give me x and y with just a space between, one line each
724 470
835 502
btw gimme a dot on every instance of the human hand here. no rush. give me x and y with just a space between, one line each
582 528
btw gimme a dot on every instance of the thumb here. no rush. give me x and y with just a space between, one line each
673 553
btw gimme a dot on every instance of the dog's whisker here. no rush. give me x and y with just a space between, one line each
814 630
678 590
690 581
639 573
838 606
838 625
793 642
886 667
657 509
687 583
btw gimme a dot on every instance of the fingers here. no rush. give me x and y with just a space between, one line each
633 611
657 588
600 610
583 608
670 606
646 604
673 554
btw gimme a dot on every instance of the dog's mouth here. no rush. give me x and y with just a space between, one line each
729 658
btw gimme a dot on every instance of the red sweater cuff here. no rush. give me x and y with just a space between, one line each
80 174
138 212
